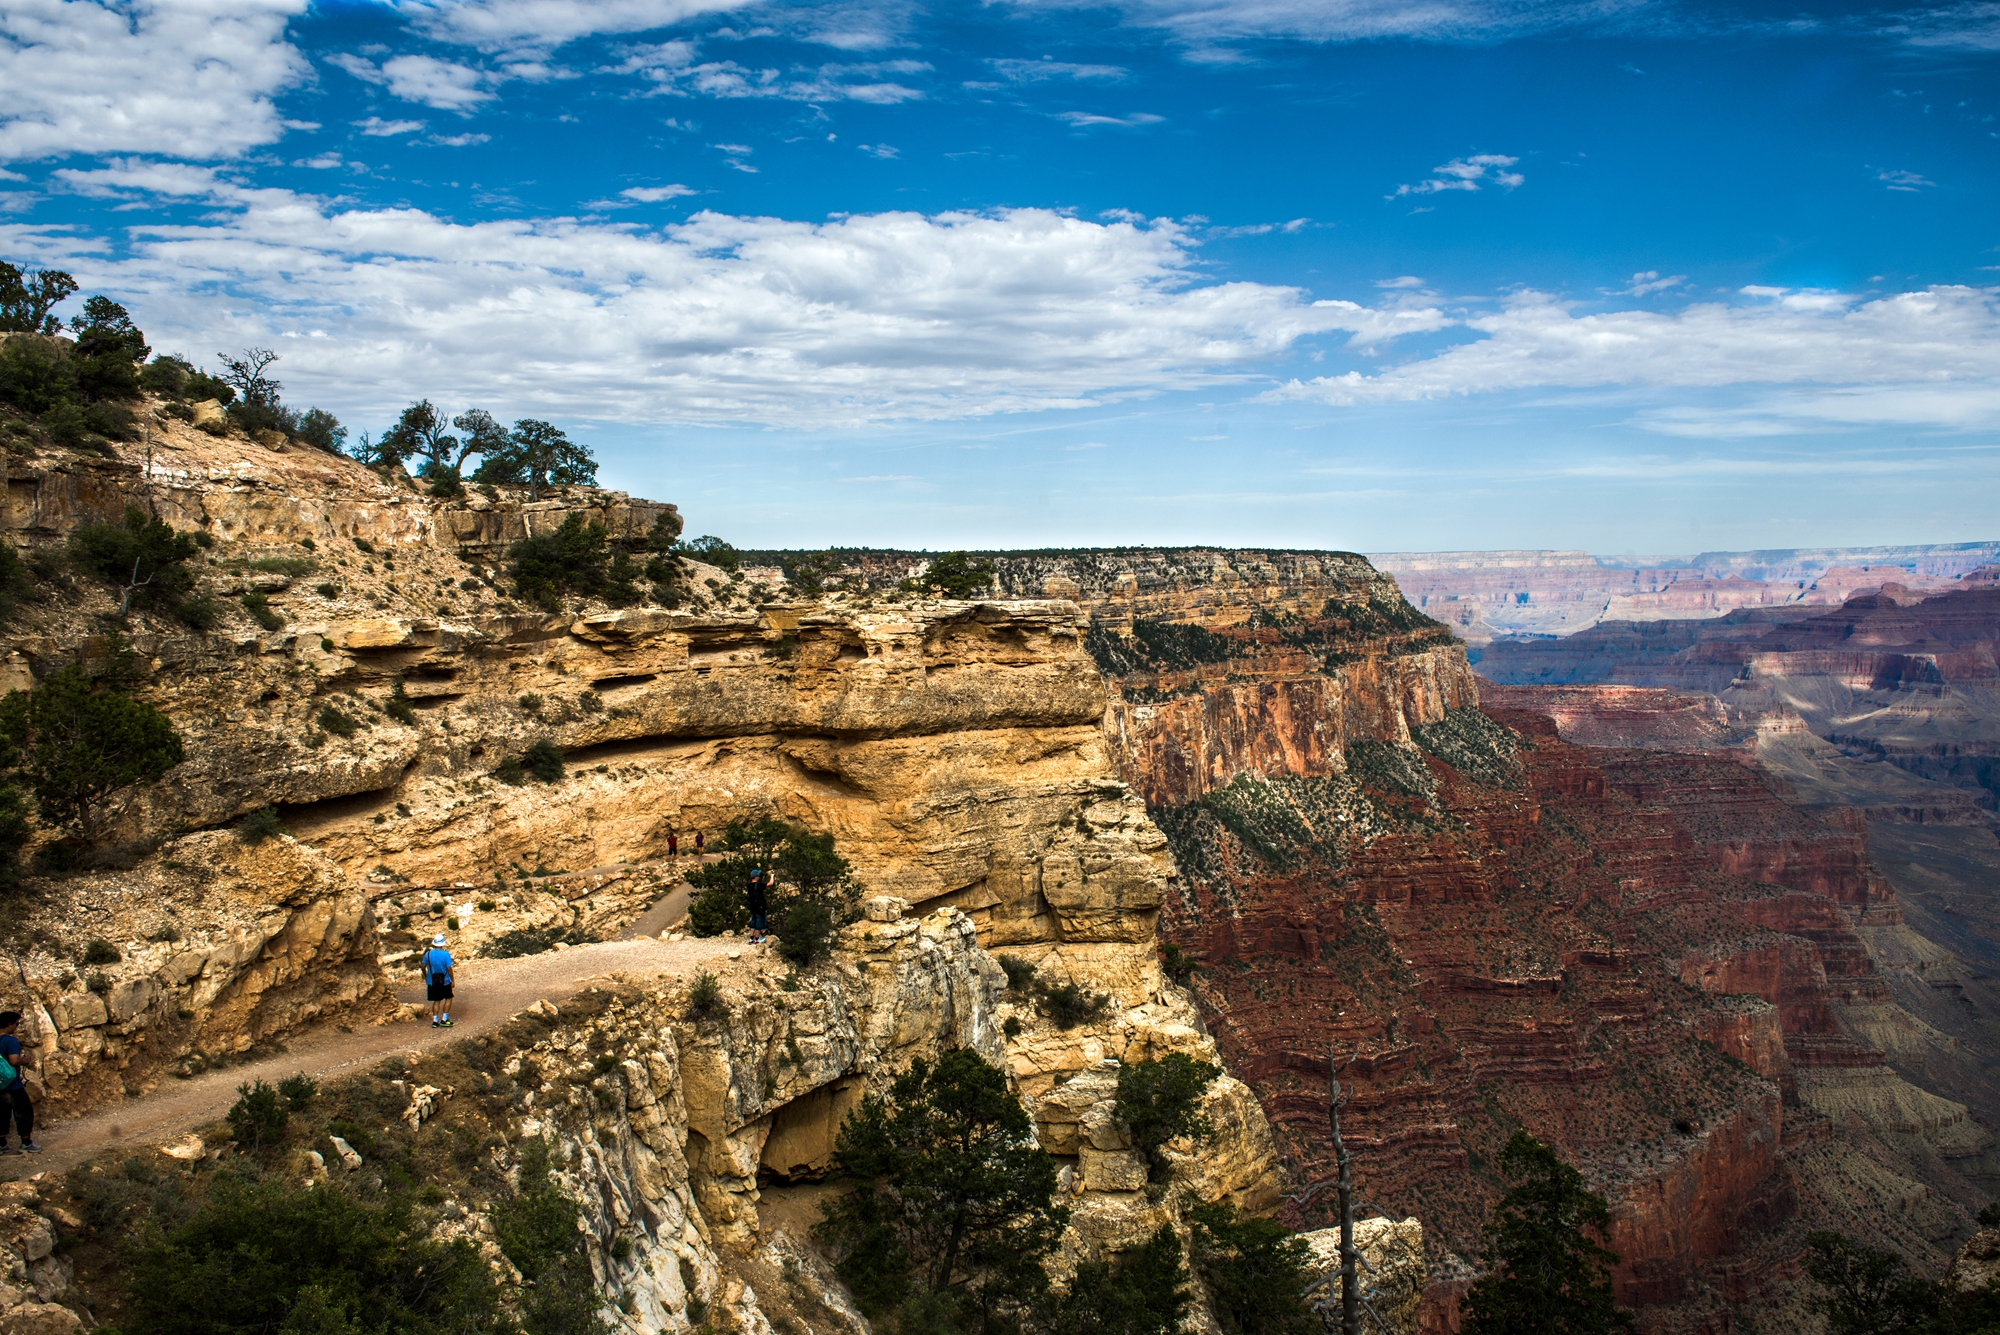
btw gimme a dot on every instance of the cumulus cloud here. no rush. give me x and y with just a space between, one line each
718 319
1905 181
375 125
1466 174
443 84
655 194
1927 358
194 78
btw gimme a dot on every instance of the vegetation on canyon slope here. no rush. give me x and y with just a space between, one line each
814 891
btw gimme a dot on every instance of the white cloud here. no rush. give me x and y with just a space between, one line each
1038 71
655 194
1923 358
1082 118
1650 281
718 319
443 84
1973 26
671 66
375 125
496 25
194 78
1466 174
457 140
1202 23
881 150
1901 180
322 162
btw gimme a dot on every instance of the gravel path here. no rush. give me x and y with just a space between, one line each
489 991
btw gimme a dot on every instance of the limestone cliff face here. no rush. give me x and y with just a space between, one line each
699 1140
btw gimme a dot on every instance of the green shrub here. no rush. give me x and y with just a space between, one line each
1177 964
572 561
530 703
143 557
950 1209
337 723
718 911
200 613
399 707
1020 973
705 996
259 825
509 771
531 941
258 1117
714 551
100 951
1255 1273
35 374
259 608
952 575
267 1255
1144 1293
805 932
1012 1027
328 590
299 1091
1159 1101
544 760
78 739
1069 1005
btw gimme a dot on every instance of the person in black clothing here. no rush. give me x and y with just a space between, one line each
15 1105
760 905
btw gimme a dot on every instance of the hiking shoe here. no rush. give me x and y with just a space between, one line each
30 1147
444 1024
434 1021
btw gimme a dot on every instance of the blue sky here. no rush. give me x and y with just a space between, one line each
1627 276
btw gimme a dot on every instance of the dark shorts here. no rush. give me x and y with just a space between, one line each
757 922
438 992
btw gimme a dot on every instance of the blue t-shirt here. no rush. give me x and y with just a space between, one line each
436 961
10 1048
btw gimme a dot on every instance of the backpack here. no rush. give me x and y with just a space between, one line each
432 971
8 1075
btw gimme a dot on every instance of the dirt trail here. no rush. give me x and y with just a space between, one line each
489 992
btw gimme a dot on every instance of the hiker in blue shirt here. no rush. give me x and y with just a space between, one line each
18 1108
437 982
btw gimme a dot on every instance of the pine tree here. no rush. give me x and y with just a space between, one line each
1546 1273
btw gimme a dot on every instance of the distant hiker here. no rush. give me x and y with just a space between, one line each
759 905
19 1108
437 966
697 843
673 844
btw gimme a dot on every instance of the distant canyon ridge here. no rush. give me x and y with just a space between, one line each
1484 596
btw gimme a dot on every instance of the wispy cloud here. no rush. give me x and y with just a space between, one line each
1136 119
655 194
1909 182
1650 281
1466 174
375 125
443 84
1040 71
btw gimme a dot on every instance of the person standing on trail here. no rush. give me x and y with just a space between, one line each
19 1108
673 844
437 967
760 906
697 843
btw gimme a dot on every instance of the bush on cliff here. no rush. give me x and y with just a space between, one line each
952 575
538 455
812 897
1254 1271
142 558
951 1210
1545 1269
1160 1101
76 739
537 1229
1145 1293
263 1255
1863 1291
573 561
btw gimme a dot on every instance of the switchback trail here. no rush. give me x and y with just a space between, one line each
489 992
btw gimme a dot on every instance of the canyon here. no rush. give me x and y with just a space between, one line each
1617 915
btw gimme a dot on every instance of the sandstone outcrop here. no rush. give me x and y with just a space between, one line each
221 946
